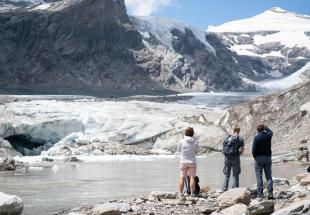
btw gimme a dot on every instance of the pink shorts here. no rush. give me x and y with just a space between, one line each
188 169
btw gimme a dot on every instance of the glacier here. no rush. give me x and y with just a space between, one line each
82 127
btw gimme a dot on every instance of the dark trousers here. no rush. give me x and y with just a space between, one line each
231 164
263 163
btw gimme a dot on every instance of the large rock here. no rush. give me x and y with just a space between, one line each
302 207
238 209
261 207
304 179
111 209
10 204
8 164
234 196
162 195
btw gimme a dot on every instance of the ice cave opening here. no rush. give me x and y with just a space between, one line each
27 145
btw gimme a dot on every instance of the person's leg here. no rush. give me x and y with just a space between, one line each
268 174
226 171
192 173
183 174
236 172
259 175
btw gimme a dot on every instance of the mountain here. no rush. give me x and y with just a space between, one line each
71 47
93 47
276 37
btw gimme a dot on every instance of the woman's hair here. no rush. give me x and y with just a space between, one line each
260 127
236 129
189 132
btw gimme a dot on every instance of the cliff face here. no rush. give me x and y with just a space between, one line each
86 47
286 113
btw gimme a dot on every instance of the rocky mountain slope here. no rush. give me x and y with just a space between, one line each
101 51
71 47
287 113
277 38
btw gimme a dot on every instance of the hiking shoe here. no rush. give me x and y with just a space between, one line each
270 197
260 196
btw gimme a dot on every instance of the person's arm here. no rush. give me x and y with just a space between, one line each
269 131
241 146
254 147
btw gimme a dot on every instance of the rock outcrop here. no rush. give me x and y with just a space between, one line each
8 164
279 111
10 204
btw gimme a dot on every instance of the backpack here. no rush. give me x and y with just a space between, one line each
188 187
231 146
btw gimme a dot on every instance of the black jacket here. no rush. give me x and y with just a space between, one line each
262 143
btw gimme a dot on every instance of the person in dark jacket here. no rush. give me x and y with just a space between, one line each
232 163
262 155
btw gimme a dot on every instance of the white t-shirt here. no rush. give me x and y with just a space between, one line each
188 148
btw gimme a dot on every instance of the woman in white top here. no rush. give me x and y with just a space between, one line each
188 147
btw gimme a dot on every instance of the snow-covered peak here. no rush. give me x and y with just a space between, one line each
274 19
161 28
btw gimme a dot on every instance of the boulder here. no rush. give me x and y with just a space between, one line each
8 164
234 196
301 207
162 195
304 179
238 209
204 189
261 207
111 209
72 159
10 204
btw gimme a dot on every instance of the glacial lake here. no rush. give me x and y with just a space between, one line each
49 189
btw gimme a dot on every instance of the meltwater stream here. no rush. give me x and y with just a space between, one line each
48 190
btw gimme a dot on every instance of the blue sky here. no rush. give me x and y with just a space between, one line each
202 13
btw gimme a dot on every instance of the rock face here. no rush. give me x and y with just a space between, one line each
279 111
234 196
92 54
12 205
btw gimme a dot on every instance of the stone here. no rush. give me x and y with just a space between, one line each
296 208
162 195
72 159
204 189
47 159
10 204
111 209
238 209
234 196
261 207
304 179
8 164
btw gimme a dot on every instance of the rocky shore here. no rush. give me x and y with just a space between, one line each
290 197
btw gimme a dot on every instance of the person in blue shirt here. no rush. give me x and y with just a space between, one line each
261 151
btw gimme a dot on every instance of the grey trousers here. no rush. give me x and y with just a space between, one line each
231 164
263 163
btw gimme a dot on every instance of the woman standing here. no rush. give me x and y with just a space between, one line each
188 147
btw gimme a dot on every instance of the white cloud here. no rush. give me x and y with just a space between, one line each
146 7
